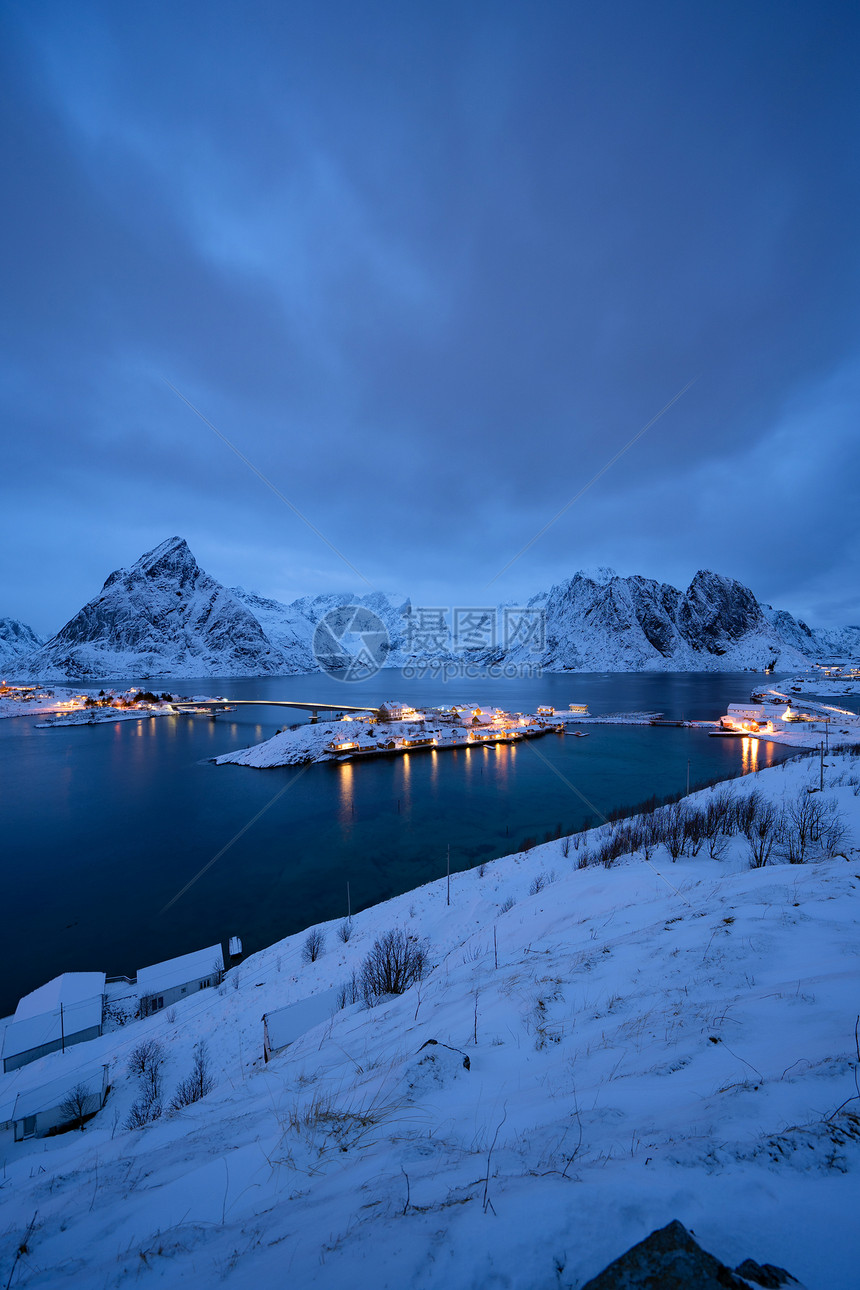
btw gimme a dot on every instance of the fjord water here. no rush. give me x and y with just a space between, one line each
102 826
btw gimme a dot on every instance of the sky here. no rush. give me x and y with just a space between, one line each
430 268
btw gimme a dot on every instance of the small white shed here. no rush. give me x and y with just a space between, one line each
165 983
283 1026
78 1095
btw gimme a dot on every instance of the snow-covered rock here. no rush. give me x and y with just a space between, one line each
164 616
16 641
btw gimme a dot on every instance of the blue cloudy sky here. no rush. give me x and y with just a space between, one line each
430 266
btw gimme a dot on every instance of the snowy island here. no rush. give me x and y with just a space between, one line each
398 730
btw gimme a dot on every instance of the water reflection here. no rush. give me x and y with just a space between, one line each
345 792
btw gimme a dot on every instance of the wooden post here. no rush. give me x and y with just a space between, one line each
449 873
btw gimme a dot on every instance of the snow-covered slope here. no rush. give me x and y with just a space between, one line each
291 627
593 1052
16 641
163 616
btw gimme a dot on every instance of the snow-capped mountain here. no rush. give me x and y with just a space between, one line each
166 617
636 624
16 641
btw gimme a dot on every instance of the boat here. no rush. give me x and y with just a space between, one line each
577 734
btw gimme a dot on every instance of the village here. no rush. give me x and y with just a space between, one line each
458 726
67 707
785 719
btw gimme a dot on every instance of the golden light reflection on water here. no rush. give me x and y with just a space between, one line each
345 792
749 754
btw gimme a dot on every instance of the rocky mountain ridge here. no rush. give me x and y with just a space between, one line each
165 616
17 640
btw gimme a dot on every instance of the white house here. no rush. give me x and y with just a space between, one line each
746 712
390 710
165 983
65 1011
59 1104
283 1026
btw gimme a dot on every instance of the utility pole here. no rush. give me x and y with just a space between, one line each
821 783
62 1030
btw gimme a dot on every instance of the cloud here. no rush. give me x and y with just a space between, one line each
429 270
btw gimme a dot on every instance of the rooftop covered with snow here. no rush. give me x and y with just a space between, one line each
178 971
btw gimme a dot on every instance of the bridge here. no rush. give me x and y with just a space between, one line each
313 708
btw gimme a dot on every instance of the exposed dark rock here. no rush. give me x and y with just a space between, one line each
670 1259
765 1274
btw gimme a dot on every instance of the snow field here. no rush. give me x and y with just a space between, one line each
645 1042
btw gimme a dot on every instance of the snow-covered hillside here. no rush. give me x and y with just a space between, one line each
16 641
165 617
592 1052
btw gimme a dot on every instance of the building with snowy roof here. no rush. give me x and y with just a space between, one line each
165 983
65 1011
62 1103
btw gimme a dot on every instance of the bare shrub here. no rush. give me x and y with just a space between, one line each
507 903
349 992
145 1057
745 809
834 837
565 847
805 819
674 829
75 1106
651 835
145 1063
198 1083
142 1113
314 946
396 962
345 930
694 830
538 883
719 822
763 831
